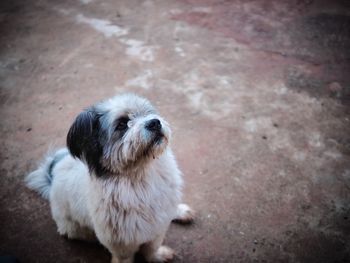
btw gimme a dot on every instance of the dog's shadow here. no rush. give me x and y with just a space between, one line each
95 252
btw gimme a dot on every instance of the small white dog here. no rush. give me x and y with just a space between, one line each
117 181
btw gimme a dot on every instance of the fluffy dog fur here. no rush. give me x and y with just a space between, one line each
117 181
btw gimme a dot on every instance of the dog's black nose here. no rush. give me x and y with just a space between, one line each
153 125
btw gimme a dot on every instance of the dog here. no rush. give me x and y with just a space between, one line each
117 180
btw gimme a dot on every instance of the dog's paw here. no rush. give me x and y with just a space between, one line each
163 254
184 214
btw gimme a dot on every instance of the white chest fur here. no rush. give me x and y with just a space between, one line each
135 210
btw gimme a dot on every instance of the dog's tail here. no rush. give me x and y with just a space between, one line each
40 179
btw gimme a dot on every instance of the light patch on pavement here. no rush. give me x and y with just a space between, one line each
299 156
103 26
192 89
180 51
315 140
209 98
283 142
202 9
257 124
142 80
224 81
62 11
135 48
195 98
333 154
85 2
182 29
88 65
175 11
138 49
251 125
281 90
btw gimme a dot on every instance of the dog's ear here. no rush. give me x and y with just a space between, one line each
80 133
83 139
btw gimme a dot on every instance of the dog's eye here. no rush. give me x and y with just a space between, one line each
122 124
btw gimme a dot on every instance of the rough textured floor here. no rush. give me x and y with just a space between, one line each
258 96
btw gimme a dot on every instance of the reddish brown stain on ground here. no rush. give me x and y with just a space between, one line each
301 32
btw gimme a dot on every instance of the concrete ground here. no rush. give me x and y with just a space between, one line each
258 96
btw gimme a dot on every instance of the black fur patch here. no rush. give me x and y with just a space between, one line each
57 158
84 140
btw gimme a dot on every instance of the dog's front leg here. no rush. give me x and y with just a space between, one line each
122 254
154 251
116 259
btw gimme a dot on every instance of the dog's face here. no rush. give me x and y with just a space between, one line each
118 135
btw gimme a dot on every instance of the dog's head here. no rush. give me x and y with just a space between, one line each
118 135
